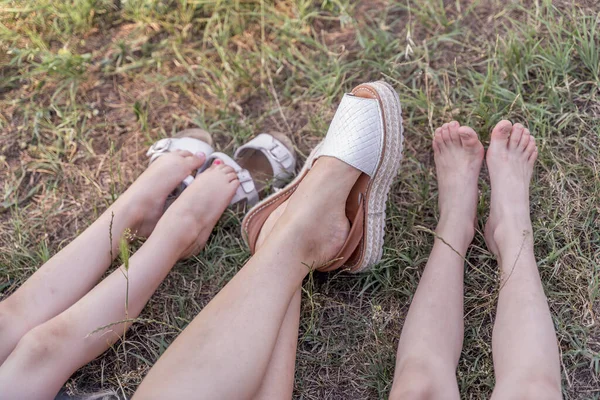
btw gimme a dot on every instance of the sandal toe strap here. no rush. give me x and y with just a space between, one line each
167 145
356 134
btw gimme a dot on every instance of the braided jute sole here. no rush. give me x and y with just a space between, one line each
384 177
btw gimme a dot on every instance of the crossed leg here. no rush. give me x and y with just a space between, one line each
278 382
225 351
524 343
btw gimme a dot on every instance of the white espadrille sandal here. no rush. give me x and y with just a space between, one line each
366 133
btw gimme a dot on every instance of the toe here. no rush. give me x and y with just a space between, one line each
468 136
515 136
533 157
531 148
446 135
195 161
226 169
216 163
231 176
524 140
453 128
438 142
501 132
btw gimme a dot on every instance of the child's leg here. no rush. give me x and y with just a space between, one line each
48 354
526 359
73 271
432 336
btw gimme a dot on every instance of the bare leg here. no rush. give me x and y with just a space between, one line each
278 382
432 336
225 351
47 355
526 358
52 288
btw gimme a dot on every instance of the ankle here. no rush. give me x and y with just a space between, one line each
511 239
314 240
456 232
176 232
511 229
131 214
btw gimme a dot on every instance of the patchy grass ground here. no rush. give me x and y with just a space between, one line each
87 85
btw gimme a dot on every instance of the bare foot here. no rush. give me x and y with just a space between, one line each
458 157
510 160
314 217
148 194
192 217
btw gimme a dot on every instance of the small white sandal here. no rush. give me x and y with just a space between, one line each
268 160
366 133
193 140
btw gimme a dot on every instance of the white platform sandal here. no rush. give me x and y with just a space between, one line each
266 161
366 133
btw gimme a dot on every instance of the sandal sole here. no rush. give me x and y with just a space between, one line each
384 177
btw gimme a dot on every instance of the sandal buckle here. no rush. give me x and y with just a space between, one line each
160 147
244 176
277 153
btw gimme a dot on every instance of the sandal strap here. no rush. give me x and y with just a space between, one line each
167 145
282 159
356 134
247 190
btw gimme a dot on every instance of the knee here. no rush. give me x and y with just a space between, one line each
10 330
5 317
419 380
42 343
529 387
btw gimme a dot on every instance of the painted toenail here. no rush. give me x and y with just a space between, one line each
218 162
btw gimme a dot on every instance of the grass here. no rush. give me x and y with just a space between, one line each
87 85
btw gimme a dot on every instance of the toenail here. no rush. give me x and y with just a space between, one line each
218 162
199 154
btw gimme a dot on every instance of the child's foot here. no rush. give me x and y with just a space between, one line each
192 217
510 160
148 194
458 157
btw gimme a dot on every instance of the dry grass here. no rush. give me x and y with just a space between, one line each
87 85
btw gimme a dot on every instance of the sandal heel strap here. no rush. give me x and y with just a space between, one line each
281 159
